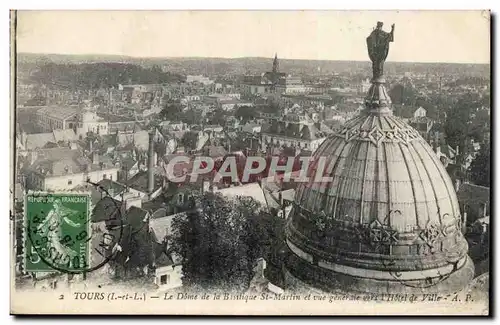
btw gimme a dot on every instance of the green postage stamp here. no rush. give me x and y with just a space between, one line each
57 232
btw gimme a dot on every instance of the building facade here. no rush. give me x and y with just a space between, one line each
55 117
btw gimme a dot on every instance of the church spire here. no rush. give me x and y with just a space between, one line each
276 64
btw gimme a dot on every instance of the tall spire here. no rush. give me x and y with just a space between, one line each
276 64
377 101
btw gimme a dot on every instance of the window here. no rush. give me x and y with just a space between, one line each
165 279
70 182
180 198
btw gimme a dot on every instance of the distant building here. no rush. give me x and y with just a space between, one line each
201 79
90 122
307 100
273 82
292 85
168 267
420 112
365 85
55 117
190 98
293 130
28 142
64 168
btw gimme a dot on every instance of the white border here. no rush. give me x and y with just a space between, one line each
192 4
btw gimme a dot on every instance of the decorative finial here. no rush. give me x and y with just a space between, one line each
378 48
377 100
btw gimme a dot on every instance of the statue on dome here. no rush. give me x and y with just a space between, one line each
378 48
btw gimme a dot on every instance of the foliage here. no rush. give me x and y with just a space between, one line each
220 242
189 140
96 75
272 108
217 117
479 169
137 253
190 117
246 113
403 94
458 123
172 111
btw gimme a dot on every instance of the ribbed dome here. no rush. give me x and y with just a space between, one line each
379 165
387 221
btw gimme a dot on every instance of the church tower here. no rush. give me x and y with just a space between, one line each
275 74
276 65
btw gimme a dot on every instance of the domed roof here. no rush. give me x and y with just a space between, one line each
382 170
387 220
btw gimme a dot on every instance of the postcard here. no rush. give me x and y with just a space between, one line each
250 162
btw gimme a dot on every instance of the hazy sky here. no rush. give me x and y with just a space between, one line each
420 36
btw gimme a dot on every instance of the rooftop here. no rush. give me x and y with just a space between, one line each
248 190
162 227
136 217
64 161
468 192
106 209
139 139
112 187
163 260
139 182
307 131
65 135
58 112
39 140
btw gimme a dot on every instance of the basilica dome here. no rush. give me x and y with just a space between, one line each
387 220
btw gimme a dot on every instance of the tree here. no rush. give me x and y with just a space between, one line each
479 169
272 108
190 117
218 117
403 94
245 113
457 123
101 74
171 112
190 140
220 242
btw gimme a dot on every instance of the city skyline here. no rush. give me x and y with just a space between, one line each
453 36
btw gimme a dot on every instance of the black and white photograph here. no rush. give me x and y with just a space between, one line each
293 162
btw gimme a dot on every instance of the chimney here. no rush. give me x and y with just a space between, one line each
90 145
155 159
457 152
151 163
33 155
95 158
206 186
464 224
